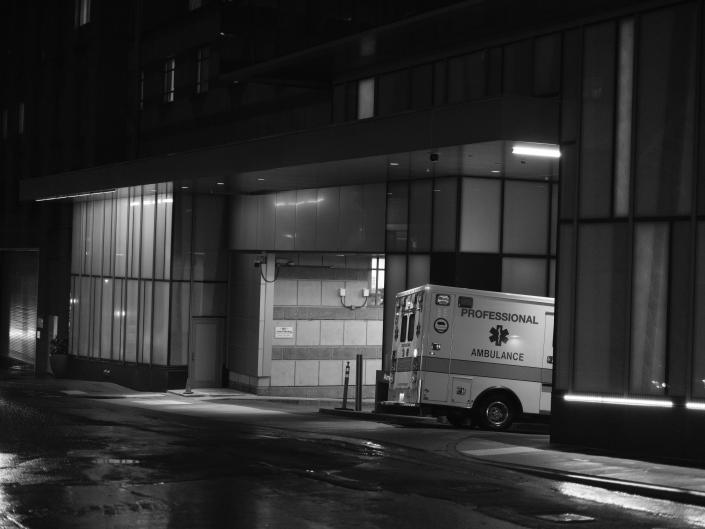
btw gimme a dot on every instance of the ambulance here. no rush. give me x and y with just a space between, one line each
472 356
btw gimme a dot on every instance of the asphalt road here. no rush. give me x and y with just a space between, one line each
166 462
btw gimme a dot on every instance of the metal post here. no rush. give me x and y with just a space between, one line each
358 382
345 387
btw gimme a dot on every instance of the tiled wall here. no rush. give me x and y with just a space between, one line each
326 335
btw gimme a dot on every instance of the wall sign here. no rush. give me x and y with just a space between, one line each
283 332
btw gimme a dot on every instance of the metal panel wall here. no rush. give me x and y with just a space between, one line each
20 290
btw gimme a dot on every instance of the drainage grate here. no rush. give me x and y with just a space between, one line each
566 517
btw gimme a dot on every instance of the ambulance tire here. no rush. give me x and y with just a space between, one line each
459 419
496 412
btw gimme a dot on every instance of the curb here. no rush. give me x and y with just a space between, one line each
674 494
404 420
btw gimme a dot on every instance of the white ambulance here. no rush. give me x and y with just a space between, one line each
472 355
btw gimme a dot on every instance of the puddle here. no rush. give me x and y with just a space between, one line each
115 461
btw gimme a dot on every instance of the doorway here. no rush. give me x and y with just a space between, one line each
206 355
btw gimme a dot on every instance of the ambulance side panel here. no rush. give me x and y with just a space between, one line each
499 343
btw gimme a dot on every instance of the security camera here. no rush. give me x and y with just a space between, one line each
433 157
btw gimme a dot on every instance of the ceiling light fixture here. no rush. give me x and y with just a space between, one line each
394 164
545 152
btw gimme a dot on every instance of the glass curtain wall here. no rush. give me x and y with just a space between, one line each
120 275
629 227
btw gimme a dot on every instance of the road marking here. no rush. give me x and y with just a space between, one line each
499 451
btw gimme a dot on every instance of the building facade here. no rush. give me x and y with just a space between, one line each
231 193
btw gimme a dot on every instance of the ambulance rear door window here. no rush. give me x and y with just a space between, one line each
412 317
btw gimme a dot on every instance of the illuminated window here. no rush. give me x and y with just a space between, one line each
202 70
365 98
169 73
82 12
377 281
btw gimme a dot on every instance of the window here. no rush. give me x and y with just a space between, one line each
20 118
377 281
140 89
202 70
194 4
169 71
365 98
82 13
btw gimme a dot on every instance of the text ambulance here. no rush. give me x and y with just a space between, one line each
472 354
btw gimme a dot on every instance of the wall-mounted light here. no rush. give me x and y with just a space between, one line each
342 293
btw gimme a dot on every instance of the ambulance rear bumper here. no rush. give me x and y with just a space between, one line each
400 404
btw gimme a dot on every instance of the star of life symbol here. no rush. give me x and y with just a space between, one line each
499 335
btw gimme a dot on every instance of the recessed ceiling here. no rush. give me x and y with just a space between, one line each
486 159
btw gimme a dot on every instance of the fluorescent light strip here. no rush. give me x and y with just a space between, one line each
695 405
61 197
150 202
620 400
546 152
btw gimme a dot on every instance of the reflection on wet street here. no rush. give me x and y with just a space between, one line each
81 463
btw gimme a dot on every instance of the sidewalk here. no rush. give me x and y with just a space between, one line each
531 454
681 484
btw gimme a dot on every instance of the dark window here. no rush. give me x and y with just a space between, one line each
393 92
547 60
422 86
202 59
420 221
439 83
397 216
665 111
518 68
467 77
598 120
404 323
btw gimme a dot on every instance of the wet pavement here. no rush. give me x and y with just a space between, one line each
85 454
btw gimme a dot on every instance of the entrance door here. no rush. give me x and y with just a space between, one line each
205 366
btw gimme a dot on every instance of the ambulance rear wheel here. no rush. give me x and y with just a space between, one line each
496 412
